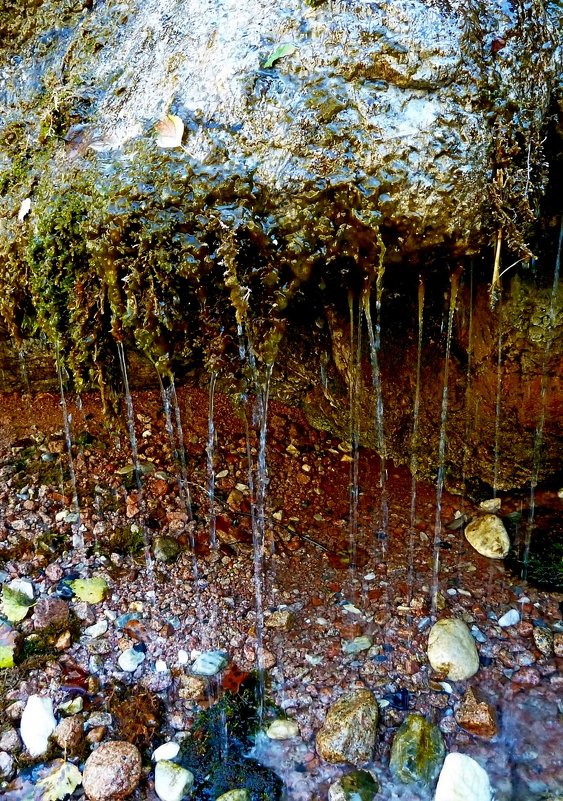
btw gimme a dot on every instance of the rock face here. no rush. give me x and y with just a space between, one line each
476 715
348 733
462 779
452 650
417 752
112 772
488 536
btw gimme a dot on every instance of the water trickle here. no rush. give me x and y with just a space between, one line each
77 537
355 387
135 456
538 435
211 463
454 286
414 440
498 398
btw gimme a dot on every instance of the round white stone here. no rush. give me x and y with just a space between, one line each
462 779
282 729
166 751
171 781
452 650
37 724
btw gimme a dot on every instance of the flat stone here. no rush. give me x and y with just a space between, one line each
282 729
488 536
476 716
452 650
356 786
417 752
171 781
37 724
357 645
112 771
209 663
462 779
349 731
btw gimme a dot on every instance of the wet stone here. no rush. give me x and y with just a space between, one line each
280 619
166 549
452 650
488 536
510 618
356 786
349 731
462 779
171 781
476 716
543 639
69 733
10 741
235 795
417 752
50 613
209 663
7 766
282 729
130 660
112 772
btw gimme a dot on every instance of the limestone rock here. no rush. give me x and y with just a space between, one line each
417 752
452 650
130 659
488 536
475 715
171 781
462 779
348 733
112 772
359 785
37 724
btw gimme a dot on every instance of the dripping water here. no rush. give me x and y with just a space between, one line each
454 285
77 537
354 427
498 400
135 455
538 436
211 463
414 440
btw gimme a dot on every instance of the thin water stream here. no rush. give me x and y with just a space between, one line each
454 286
211 463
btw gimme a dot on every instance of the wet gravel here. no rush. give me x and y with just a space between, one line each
377 587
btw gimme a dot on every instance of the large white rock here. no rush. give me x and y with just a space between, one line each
488 536
172 782
37 724
462 779
452 649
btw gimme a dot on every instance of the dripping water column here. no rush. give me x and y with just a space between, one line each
454 285
498 399
77 537
135 454
414 440
211 463
354 427
538 436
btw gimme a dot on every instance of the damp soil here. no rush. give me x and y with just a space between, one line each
377 586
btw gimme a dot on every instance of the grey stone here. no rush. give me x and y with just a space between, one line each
209 663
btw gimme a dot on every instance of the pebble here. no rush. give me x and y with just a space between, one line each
10 741
50 613
209 663
7 766
97 629
183 657
112 771
235 795
476 716
357 645
462 779
23 586
543 639
171 781
37 724
69 733
282 729
417 752
130 660
356 786
452 650
558 644
280 619
167 750
510 618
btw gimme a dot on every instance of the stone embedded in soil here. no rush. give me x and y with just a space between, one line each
130 660
235 795
171 781
69 733
282 729
356 786
357 645
488 536
166 549
510 618
209 663
417 752
452 650
50 613
112 772
543 640
349 731
462 779
37 724
280 619
476 716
